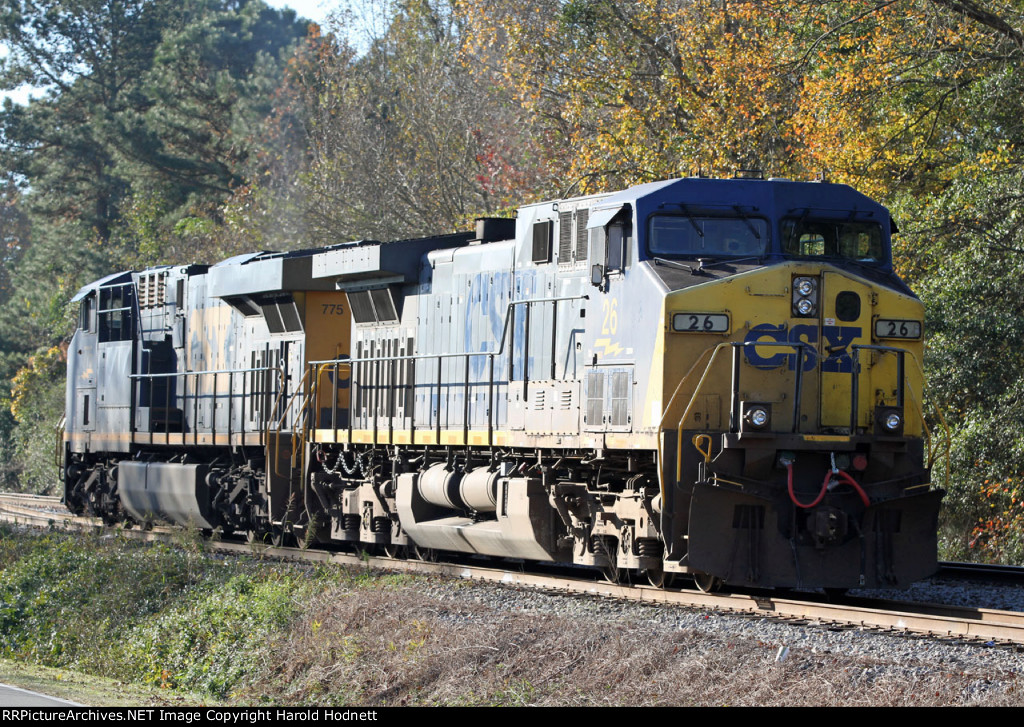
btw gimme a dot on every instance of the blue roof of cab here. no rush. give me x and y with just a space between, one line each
772 198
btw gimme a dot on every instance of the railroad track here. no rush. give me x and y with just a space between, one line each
973 624
981 571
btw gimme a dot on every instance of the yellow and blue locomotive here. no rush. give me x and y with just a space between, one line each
713 377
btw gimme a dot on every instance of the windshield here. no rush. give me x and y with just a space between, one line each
861 241
694 236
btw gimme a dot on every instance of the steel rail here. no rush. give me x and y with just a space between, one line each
979 571
43 500
974 624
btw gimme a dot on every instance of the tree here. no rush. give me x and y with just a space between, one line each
88 55
148 122
404 140
645 90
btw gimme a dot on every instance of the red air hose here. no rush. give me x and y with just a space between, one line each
792 495
824 487
852 483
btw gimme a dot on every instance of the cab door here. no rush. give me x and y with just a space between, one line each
847 306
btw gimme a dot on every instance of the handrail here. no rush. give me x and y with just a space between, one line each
196 395
736 345
439 357
211 371
707 369
938 412
284 416
58 452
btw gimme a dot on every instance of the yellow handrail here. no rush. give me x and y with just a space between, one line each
924 424
311 396
661 424
316 382
918 405
284 417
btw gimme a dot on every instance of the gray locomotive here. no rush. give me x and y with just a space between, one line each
713 377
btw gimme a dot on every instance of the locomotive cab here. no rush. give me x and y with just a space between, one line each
795 417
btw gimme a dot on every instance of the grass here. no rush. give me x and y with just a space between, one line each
156 625
95 691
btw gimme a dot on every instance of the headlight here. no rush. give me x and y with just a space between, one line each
756 416
888 421
805 296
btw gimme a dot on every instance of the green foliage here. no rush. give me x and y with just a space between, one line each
149 614
152 117
36 403
212 641
969 248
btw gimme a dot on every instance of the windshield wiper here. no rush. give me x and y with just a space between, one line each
796 229
706 263
692 221
702 263
682 266
746 219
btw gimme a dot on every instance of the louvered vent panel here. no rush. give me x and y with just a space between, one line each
383 305
362 309
565 237
582 217
595 397
620 399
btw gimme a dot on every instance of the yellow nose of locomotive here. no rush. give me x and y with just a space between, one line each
807 383
789 321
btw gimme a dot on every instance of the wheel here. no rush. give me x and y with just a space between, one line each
658 578
398 552
256 537
276 537
611 573
707 583
304 536
427 555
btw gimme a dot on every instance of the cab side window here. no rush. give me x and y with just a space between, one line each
619 236
116 313
87 314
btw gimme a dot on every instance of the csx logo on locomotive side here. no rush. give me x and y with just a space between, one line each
837 341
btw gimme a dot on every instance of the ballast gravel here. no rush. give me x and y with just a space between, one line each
988 670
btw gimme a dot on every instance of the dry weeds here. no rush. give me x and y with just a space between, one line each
394 645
